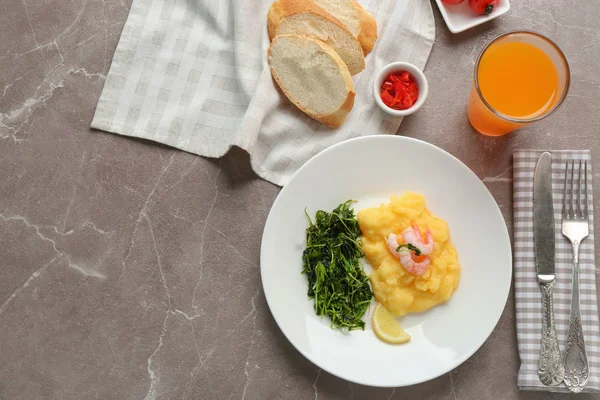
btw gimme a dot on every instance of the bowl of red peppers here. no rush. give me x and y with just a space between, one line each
400 88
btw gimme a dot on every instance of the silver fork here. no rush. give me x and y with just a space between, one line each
575 228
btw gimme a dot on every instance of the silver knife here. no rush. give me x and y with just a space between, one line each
550 369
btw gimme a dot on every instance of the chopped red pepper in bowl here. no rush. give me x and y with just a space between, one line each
400 88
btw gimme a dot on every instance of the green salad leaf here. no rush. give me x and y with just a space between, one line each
410 247
331 261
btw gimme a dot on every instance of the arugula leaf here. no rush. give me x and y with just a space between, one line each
410 247
331 261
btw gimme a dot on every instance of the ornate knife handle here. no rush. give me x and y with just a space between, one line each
576 363
550 370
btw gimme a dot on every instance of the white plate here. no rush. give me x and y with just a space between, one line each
370 170
460 17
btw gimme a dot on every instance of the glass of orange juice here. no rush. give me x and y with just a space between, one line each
520 77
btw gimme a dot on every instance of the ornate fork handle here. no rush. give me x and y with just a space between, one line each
576 364
550 370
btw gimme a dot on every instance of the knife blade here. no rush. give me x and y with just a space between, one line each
543 219
550 368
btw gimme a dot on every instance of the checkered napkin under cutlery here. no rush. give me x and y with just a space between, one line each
528 297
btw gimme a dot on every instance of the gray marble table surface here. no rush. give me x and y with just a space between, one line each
130 270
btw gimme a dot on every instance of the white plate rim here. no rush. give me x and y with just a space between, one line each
506 240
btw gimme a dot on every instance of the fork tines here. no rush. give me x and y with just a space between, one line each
572 208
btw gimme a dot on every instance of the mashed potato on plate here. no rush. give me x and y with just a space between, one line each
399 291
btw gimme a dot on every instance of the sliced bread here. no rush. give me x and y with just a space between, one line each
342 10
365 31
313 77
368 28
354 17
302 17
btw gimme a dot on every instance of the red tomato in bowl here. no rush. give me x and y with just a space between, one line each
483 7
452 1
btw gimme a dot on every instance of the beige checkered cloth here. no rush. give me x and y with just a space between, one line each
193 74
528 298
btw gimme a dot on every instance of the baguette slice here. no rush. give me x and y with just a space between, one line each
354 17
303 17
368 28
365 31
344 11
313 77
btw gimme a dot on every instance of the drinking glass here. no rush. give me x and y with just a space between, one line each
484 116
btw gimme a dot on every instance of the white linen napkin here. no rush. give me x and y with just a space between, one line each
528 297
193 74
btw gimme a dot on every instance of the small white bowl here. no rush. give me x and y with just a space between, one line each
417 75
460 17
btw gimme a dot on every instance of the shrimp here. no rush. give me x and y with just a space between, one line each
413 264
392 242
409 261
412 235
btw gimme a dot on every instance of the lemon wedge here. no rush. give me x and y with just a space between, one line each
386 326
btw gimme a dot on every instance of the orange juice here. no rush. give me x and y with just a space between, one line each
518 82
518 79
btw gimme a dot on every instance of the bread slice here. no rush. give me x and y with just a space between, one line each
342 10
313 77
368 28
354 17
367 25
303 17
